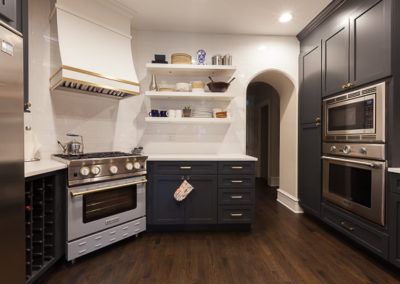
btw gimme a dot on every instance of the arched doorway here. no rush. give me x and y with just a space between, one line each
262 135
288 133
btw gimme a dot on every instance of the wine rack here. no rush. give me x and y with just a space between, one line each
43 229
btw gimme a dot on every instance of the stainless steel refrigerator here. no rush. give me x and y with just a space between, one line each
12 192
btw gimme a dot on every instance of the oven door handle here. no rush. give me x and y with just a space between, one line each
372 165
77 193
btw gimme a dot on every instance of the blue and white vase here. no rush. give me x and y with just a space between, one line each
201 57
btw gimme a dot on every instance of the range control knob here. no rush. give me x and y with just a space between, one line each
129 166
85 171
95 170
363 150
113 170
137 165
346 149
333 148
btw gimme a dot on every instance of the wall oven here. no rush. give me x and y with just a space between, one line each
354 178
356 116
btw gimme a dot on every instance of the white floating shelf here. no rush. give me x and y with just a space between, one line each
188 120
190 69
190 96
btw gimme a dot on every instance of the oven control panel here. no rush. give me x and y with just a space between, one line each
100 170
367 151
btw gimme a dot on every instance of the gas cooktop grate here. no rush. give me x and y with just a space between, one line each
98 155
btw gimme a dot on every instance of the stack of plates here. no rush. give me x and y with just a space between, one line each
202 112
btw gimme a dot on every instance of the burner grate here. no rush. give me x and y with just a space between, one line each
97 155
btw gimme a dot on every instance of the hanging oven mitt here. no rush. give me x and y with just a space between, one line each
183 191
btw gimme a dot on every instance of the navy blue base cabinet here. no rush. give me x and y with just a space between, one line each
223 194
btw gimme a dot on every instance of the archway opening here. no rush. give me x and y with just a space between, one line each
288 131
262 135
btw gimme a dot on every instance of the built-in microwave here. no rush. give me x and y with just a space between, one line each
358 116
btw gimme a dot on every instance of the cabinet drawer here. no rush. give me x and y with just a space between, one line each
235 214
394 182
235 196
236 181
184 168
232 168
363 233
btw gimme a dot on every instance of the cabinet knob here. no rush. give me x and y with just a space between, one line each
317 124
28 105
344 86
317 119
349 85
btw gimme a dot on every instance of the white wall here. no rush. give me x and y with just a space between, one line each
251 54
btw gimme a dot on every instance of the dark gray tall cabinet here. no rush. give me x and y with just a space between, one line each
310 129
352 43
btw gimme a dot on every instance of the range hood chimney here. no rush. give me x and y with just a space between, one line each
90 57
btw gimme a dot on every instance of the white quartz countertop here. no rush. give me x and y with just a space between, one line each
200 157
394 170
42 167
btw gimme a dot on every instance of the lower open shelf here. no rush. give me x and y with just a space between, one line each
188 120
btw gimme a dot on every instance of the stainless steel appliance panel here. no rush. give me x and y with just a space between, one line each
357 185
356 116
12 200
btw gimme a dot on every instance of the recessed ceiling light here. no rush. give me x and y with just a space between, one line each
285 17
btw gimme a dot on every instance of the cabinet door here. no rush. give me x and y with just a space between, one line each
394 228
201 204
310 94
8 11
336 60
164 208
309 175
370 42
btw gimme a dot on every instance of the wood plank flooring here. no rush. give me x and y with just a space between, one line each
281 248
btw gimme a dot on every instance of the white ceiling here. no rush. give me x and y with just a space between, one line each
222 16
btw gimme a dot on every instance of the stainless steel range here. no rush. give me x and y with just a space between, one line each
106 199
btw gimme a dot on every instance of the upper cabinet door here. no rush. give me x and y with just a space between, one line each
310 94
336 60
370 42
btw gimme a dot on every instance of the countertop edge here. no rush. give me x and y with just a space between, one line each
42 167
394 170
244 158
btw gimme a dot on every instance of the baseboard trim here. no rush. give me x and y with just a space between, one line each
273 181
289 201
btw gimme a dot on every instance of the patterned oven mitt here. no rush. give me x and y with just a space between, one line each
183 191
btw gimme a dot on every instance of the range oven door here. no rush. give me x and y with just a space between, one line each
96 207
356 185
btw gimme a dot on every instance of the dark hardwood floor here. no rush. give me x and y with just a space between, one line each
281 248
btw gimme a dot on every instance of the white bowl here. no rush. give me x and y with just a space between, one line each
182 87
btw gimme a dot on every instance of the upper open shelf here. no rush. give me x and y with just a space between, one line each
190 69
190 95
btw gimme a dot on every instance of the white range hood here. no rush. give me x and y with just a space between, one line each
90 57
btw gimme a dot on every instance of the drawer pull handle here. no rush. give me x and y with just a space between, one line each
185 167
112 232
236 196
82 244
124 235
98 238
236 181
237 168
125 228
137 224
82 251
137 230
236 214
344 225
98 245
113 239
